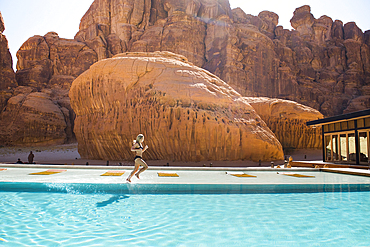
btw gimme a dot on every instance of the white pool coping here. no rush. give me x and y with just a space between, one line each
186 175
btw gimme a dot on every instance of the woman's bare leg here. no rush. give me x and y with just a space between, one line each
144 167
137 165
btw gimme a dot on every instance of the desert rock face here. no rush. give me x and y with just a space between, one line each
110 27
330 63
45 60
7 75
322 63
44 121
38 112
286 119
185 112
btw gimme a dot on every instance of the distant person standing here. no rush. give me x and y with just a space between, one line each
30 157
139 149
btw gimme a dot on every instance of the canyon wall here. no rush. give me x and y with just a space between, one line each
322 63
38 111
7 75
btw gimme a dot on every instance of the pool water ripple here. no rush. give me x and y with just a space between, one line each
296 219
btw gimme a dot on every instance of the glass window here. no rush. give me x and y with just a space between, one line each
351 147
327 148
344 125
335 147
351 124
337 126
331 127
364 150
367 122
360 123
326 128
343 147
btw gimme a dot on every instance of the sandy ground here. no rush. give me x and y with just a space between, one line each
68 154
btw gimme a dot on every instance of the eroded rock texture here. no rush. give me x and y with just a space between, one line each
49 60
332 63
7 75
38 112
114 26
322 63
42 119
185 112
287 119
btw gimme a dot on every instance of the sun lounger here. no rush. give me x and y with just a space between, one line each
113 173
48 172
162 174
241 175
297 175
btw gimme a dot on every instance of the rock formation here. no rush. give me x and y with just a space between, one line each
331 63
38 112
321 63
7 75
45 61
44 121
286 119
185 112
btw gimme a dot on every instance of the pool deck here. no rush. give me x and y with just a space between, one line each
183 175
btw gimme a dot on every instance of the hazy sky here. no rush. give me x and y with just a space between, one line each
26 18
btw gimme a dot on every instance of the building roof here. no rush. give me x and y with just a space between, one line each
339 118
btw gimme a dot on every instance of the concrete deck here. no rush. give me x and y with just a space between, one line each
186 175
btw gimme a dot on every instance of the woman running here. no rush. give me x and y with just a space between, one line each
138 148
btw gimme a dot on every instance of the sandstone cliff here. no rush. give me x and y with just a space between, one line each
331 63
38 112
43 120
7 75
321 63
185 112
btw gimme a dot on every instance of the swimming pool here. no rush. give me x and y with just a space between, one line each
82 208
81 218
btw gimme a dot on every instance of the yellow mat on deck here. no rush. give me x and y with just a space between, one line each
243 175
48 172
162 174
2 169
297 175
113 173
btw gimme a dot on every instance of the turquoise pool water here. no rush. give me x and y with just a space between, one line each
75 218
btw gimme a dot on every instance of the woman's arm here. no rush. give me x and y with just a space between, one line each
146 147
134 147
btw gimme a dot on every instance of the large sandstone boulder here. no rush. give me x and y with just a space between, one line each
288 118
185 112
43 120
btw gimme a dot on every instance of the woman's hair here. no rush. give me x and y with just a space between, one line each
138 138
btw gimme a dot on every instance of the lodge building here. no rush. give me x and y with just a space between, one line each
345 138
